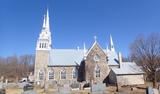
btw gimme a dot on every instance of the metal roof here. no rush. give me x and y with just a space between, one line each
65 57
112 58
128 68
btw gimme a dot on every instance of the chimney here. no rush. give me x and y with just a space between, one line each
120 58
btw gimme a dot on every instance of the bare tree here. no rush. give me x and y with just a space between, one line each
126 59
146 52
14 67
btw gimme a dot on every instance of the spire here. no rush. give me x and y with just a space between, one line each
111 44
84 49
77 48
44 40
95 38
44 22
47 19
107 48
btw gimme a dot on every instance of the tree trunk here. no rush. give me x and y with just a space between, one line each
154 81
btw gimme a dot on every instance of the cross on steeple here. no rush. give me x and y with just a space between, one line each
95 38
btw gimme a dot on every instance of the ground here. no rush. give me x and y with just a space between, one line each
141 89
110 90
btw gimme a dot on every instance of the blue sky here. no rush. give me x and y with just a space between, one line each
73 22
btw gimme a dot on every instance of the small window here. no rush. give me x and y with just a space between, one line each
51 74
97 71
41 75
75 73
63 73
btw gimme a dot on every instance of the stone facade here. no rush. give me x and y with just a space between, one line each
126 79
41 63
91 64
71 76
130 79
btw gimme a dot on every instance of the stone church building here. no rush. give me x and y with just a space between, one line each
93 65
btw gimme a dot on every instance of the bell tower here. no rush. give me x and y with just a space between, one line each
44 40
43 48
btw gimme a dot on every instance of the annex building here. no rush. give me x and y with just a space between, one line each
93 65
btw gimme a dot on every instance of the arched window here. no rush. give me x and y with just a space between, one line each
63 73
40 45
74 73
41 75
51 74
97 71
45 45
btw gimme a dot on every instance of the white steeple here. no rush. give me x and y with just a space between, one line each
44 40
107 48
47 20
44 22
111 44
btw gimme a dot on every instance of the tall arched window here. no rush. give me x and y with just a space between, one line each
97 71
51 74
41 75
74 73
63 73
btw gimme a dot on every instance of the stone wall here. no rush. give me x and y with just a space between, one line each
69 74
90 65
130 79
41 62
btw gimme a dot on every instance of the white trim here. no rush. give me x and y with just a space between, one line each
93 46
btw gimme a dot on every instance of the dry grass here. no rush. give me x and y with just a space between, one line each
111 90
13 91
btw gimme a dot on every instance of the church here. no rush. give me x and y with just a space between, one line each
93 65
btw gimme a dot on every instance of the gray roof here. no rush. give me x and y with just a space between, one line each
128 68
65 57
60 57
112 58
